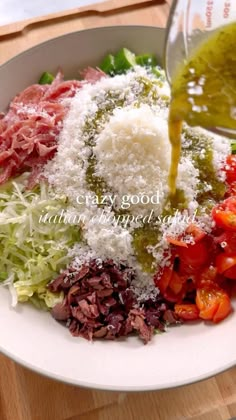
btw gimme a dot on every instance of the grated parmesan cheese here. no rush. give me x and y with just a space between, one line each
132 151
133 157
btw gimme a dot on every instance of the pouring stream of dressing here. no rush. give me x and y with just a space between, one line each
203 92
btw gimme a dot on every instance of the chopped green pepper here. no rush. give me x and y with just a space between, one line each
233 147
46 78
124 60
148 60
108 64
157 72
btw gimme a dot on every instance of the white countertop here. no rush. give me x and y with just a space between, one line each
15 10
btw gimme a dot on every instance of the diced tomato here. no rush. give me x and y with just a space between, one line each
224 214
227 241
170 296
224 309
230 242
213 302
230 168
196 232
196 258
163 278
193 230
231 189
230 273
177 242
196 255
186 269
176 283
208 274
225 261
171 285
187 311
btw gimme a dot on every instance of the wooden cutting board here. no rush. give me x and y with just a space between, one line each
97 8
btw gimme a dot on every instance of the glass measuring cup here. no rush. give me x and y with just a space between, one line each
190 23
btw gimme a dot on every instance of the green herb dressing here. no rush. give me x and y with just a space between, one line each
149 235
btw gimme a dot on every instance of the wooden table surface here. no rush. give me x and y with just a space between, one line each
25 395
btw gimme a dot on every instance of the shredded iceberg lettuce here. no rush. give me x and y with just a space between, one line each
32 251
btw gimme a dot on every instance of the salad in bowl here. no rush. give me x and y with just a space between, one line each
96 257
88 229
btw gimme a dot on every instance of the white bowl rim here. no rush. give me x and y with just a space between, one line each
95 28
112 388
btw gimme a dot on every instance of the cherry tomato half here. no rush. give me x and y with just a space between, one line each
230 168
231 189
230 273
224 214
208 274
162 279
213 303
176 242
192 230
170 296
225 261
197 233
195 255
187 311
171 285
227 241
176 283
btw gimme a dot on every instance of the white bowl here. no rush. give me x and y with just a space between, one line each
182 355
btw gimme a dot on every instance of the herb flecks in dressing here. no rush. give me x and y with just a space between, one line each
204 91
